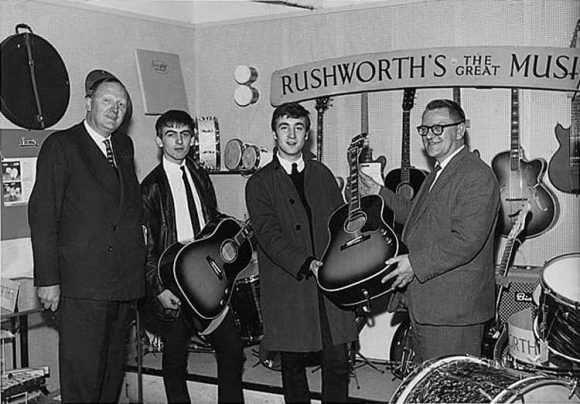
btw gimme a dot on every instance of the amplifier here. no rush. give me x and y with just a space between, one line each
518 287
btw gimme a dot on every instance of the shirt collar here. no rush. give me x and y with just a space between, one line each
444 163
287 165
172 167
97 138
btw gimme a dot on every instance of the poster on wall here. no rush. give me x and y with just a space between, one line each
161 81
18 177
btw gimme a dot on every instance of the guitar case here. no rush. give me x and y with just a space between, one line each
34 81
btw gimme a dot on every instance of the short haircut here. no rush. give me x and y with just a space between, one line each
291 110
93 88
173 117
455 111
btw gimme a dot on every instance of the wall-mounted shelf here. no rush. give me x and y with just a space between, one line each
230 172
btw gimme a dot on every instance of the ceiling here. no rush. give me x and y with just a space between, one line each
201 11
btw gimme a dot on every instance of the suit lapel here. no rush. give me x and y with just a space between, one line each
97 163
425 196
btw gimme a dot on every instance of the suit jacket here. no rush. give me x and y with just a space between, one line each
449 232
159 218
290 306
85 218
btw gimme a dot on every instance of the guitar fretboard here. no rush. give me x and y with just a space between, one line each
515 131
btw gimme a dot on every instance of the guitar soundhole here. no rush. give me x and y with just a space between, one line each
355 222
229 251
406 191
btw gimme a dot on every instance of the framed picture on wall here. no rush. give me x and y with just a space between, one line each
161 81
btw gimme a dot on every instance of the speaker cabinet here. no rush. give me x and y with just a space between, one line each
518 287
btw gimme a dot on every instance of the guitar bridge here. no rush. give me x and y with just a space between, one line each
354 241
215 267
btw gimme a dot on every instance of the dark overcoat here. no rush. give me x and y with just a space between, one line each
290 306
449 232
85 218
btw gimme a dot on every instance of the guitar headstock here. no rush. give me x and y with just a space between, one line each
408 99
358 142
322 104
520 222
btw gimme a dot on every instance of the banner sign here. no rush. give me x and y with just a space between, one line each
505 66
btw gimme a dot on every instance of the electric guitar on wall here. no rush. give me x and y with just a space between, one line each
564 168
520 183
494 332
322 104
406 180
202 273
360 243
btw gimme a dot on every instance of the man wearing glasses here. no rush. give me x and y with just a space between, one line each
448 277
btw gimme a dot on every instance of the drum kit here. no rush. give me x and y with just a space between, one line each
244 157
536 360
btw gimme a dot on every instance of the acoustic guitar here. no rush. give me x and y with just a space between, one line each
202 273
520 183
360 242
564 167
405 181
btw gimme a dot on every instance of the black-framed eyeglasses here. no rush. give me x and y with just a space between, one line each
436 129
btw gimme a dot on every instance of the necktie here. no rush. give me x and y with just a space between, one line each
190 202
294 169
434 173
110 156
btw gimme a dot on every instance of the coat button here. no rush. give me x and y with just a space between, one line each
292 201
109 248
114 227
297 227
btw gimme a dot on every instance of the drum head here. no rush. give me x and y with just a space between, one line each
233 154
250 157
561 278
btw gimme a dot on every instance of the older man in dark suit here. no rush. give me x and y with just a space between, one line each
448 273
85 217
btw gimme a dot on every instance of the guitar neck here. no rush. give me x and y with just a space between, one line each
244 234
354 201
575 131
364 112
457 95
515 131
319 126
406 147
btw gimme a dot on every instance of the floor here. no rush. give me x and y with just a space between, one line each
371 382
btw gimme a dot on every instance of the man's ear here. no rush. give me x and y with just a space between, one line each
274 134
461 128
159 142
88 103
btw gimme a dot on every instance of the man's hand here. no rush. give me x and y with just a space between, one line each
367 185
168 300
403 272
49 296
314 267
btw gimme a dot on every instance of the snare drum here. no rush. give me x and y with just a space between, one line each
465 379
245 303
558 321
255 157
233 154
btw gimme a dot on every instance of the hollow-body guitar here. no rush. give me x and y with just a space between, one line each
520 182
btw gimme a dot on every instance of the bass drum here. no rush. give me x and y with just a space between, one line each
35 87
466 379
558 321
245 303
